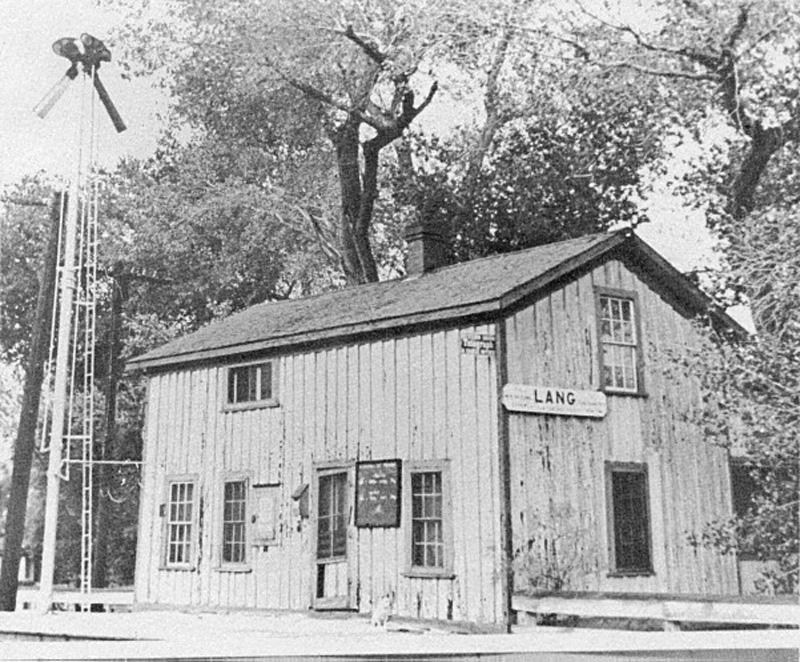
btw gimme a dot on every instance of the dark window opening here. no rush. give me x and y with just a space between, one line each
332 516
630 521
744 487
250 383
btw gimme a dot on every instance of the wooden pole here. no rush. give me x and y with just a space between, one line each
25 442
107 450
65 300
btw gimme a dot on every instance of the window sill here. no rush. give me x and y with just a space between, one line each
256 404
630 573
335 559
629 394
234 568
429 573
178 568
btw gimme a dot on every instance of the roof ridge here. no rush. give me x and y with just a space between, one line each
454 265
497 256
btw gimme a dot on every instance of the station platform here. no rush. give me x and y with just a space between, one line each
301 637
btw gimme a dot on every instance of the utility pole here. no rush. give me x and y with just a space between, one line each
26 431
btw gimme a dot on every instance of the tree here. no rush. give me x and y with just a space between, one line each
542 178
349 68
739 59
752 398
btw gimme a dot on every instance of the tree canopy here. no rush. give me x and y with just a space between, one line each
303 138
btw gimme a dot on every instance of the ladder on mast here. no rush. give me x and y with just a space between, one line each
73 339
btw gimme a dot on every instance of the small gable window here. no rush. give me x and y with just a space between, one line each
252 384
620 349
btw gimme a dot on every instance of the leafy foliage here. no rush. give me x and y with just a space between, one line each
753 398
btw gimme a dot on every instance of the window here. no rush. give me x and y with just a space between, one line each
180 522
629 518
234 543
332 516
427 537
618 332
252 384
428 519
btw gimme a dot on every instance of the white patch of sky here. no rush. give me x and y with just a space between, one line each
29 144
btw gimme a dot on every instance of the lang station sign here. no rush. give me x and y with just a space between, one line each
555 401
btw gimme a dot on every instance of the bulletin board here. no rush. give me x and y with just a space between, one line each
378 494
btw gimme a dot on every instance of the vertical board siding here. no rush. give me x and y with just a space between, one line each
557 463
415 397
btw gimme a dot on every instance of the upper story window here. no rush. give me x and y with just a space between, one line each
252 384
619 339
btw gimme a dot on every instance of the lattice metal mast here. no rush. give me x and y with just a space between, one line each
72 416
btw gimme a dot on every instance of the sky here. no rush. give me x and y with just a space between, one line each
29 144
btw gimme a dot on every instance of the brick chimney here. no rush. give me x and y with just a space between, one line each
428 248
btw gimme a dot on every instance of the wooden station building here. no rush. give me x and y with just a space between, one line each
425 436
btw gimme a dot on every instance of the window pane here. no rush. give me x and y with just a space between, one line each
627 333
232 385
242 385
252 376
266 381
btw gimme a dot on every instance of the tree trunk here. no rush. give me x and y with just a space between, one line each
26 432
764 144
358 262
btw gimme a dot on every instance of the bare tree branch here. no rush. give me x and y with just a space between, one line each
664 73
369 48
739 27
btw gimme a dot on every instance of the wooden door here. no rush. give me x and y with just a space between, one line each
333 516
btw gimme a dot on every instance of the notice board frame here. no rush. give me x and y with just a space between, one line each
366 518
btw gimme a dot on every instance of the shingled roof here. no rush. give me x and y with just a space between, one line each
479 287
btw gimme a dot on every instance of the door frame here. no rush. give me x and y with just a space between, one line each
348 600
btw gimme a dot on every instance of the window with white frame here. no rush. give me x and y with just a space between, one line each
234 521
619 352
253 383
180 522
428 519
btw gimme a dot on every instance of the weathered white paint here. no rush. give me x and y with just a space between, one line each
557 462
428 396
417 397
